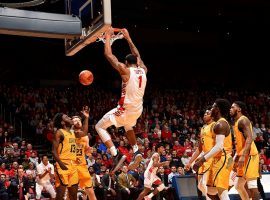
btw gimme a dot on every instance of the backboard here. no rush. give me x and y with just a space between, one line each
96 18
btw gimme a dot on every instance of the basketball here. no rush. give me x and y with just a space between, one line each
86 77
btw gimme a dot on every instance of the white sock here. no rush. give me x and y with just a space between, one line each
113 151
135 148
151 195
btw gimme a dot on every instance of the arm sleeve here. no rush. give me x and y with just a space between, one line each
217 148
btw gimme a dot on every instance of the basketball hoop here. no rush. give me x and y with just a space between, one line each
116 36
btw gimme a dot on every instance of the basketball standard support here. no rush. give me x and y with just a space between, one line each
39 24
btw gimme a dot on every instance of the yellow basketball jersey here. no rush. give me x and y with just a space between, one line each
207 137
81 146
227 147
67 148
240 139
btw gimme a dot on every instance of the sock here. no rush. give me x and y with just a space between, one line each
135 148
113 151
151 195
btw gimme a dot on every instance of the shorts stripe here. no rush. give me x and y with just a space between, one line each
59 178
248 164
221 166
204 171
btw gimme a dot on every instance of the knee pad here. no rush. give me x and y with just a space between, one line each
252 184
161 187
128 128
103 134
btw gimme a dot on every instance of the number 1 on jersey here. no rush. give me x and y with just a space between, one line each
140 81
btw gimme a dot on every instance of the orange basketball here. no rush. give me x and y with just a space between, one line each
86 77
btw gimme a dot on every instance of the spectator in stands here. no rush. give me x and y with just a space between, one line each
97 165
98 188
168 192
45 171
185 159
33 158
16 151
176 160
3 189
172 174
31 170
267 148
166 134
108 183
3 169
23 146
265 169
127 184
256 130
13 170
90 160
181 171
22 184
29 151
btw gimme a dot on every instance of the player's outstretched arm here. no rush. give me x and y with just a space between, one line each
193 158
134 49
109 55
84 131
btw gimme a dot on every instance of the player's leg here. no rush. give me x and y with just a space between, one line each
131 120
252 174
72 192
158 189
240 187
223 194
160 186
61 182
85 181
137 158
131 138
145 191
221 175
60 192
202 181
90 193
113 117
253 188
73 181
101 128
212 193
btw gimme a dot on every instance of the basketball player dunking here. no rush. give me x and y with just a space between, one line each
130 106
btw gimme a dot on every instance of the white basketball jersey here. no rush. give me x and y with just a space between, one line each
150 168
133 89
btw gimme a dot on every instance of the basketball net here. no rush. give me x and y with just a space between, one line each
116 36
